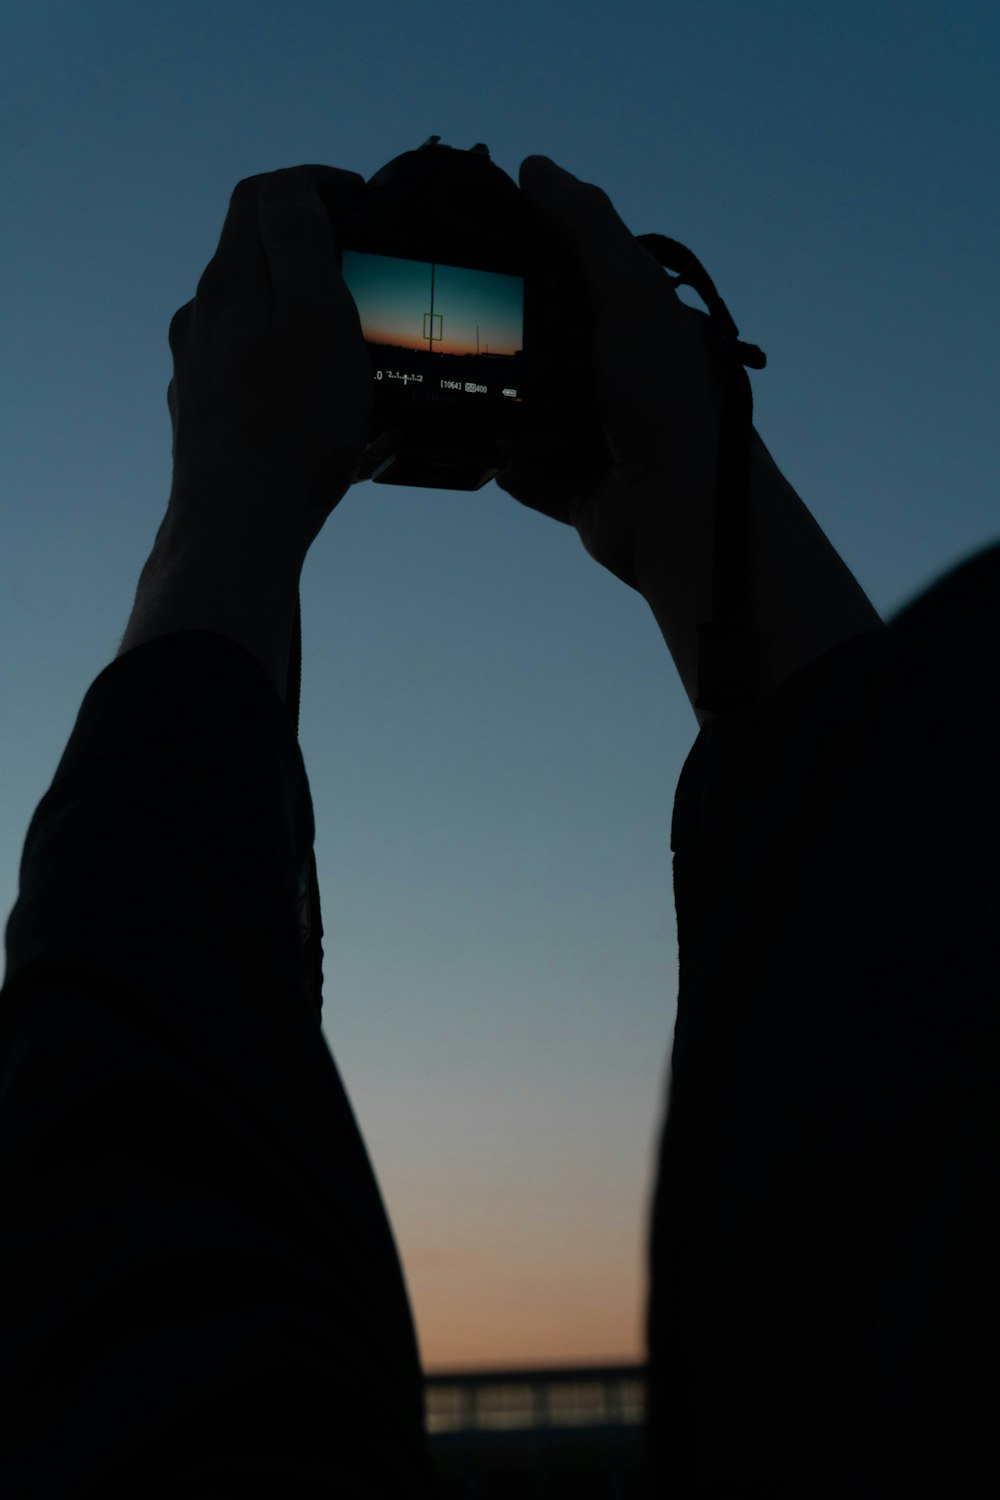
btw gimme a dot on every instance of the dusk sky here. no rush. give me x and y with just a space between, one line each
472 310
491 724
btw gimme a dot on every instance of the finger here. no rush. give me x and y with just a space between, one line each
332 182
179 325
581 210
237 271
541 488
296 235
583 218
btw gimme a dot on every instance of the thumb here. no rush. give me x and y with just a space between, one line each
541 487
298 243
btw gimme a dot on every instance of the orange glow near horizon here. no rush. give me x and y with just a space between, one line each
537 1317
524 1293
384 340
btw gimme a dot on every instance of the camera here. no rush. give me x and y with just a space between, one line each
477 324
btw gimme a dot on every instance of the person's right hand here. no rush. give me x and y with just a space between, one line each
657 386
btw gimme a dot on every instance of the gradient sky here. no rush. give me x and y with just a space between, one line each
491 724
395 303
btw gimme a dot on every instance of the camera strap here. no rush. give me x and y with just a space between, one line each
725 642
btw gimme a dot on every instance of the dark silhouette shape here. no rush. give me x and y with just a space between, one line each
197 1274
197 1271
201 1293
823 1317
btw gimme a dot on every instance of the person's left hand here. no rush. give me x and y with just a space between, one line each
271 399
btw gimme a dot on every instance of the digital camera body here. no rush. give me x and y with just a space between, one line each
477 323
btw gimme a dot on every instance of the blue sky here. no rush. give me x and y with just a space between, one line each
491 723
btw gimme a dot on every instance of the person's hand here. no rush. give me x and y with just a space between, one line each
650 516
271 403
657 388
271 398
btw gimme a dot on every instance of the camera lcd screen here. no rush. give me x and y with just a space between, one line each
443 332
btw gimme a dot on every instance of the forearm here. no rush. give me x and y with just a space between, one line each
196 1239
801 598
228 579
179 810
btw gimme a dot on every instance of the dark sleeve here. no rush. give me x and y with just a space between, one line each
197 1274
823 1245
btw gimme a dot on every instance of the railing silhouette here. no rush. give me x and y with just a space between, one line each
536 1399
